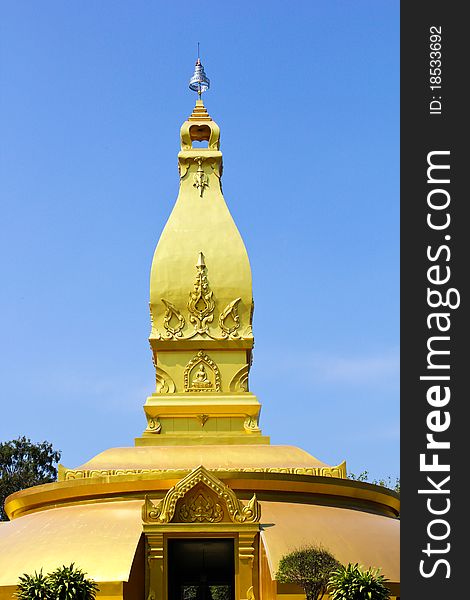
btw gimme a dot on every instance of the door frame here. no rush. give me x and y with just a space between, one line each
245 555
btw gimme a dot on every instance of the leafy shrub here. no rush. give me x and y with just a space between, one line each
33 587
352 583
309 567
65 583
70 583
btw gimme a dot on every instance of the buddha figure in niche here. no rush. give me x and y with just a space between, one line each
200 379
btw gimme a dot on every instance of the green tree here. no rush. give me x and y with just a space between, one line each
384 482
309 567
353 583
70 583
24 464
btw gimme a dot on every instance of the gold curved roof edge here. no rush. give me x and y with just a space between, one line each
85 490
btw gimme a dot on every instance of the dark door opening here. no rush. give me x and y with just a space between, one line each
201 569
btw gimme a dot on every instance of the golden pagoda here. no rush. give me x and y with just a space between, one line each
202 505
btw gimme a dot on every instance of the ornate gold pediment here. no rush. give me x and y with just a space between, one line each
200 497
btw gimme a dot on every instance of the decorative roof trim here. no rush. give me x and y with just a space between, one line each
338 471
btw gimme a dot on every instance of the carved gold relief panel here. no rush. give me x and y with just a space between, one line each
200 371
200 505
201 374
202 307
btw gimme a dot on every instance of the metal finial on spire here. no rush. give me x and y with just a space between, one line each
199 82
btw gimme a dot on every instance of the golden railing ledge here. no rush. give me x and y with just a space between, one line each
159 342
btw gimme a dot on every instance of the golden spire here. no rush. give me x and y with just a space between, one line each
201 307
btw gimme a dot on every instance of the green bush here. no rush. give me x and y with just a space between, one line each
65 583
309 567
352 583
33 587
70 583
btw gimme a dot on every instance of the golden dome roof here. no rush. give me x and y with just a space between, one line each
213 457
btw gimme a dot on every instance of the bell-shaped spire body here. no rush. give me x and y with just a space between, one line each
201 252
201 308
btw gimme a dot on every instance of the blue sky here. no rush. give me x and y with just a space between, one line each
307 98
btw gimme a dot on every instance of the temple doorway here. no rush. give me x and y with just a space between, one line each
201 569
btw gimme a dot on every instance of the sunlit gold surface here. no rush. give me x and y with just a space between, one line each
190 457
352 536
101 538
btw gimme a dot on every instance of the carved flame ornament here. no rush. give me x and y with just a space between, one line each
202 419
201 181
251 424
165 384
230 311
164 511
201 303
153 425
173 312
239 382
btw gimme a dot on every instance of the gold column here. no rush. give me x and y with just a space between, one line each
248 565
155 581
